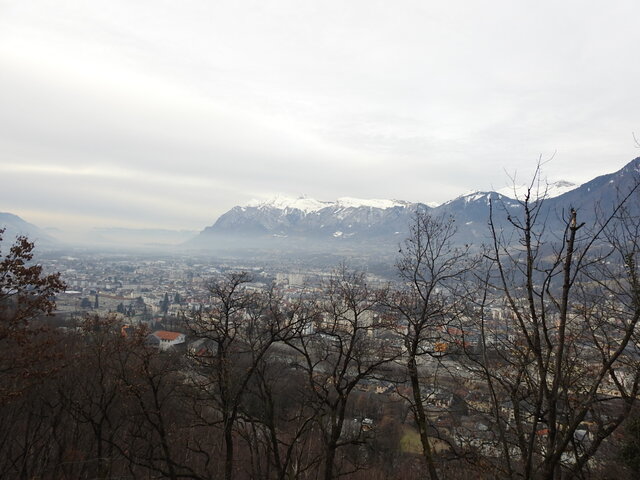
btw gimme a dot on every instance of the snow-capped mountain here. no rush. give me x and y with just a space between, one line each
282 202
304 222
347 217
602 193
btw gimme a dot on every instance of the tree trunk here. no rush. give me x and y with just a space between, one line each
421 418
228 443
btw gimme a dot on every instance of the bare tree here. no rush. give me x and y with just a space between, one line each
432 270
90 390
558 323
337 352
235 331
158 435
280 427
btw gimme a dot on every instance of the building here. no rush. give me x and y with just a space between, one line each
164 339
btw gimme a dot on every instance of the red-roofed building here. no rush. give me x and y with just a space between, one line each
164 339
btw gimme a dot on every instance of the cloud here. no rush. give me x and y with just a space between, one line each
166 114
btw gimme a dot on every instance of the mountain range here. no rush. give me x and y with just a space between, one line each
285 222
350 225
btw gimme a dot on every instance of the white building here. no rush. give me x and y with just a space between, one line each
164 339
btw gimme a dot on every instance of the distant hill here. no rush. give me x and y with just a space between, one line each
15 226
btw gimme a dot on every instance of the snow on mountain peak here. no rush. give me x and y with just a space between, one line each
470 196
475 196
550 189
350 202
283 202
310 205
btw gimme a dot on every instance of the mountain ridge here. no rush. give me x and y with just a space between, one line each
378 221
15 226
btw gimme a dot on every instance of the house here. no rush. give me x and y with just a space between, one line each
164 339
203 347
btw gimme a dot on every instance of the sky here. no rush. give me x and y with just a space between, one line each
165 114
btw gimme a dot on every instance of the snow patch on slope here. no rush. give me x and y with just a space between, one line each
350 202
553 189
282 202
470 197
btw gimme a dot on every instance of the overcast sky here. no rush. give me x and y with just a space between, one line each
168 113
